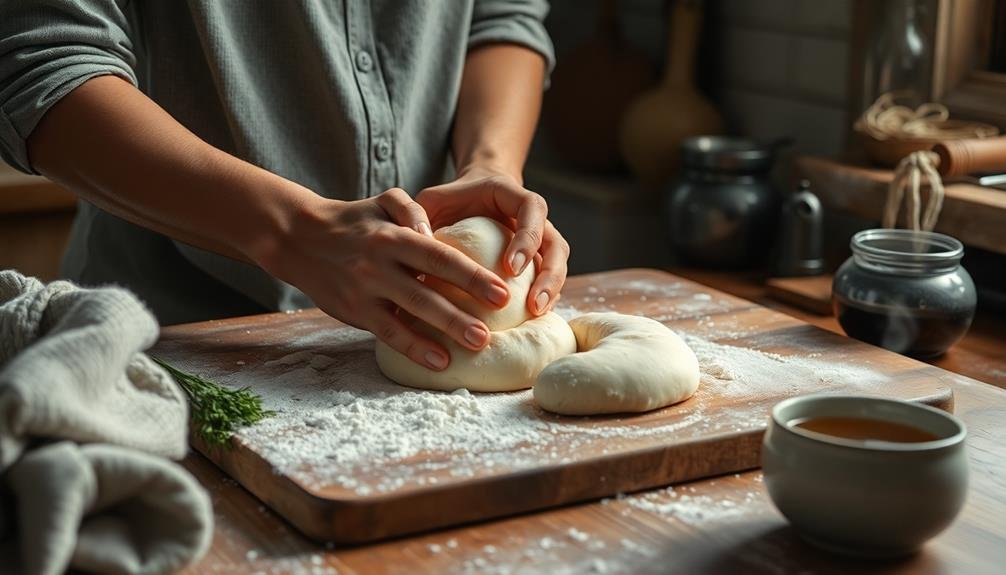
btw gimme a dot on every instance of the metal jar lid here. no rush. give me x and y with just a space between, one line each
726 154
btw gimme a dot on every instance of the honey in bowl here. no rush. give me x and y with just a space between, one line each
864 429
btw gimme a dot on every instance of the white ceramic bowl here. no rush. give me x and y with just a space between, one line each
865 498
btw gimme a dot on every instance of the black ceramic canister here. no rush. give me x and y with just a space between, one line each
723 210
905 290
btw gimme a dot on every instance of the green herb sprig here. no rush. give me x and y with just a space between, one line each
217 411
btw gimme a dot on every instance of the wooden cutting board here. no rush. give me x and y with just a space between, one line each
320 374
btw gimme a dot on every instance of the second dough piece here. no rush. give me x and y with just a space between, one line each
626 363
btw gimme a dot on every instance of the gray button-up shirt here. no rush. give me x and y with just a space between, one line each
346 97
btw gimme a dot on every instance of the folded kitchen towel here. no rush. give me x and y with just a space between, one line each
103 509
72 369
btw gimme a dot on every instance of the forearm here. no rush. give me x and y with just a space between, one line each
119 150
498 107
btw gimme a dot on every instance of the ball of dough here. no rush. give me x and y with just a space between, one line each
484 240
625 363
520 344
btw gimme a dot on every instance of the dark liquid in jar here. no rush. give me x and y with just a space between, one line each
863 429
915 332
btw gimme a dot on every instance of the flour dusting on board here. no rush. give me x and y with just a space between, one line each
740 371
340 422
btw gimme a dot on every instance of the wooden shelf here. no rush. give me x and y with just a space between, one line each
974 214
35 220
20 194
812 293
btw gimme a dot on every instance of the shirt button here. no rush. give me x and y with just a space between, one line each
364 62
382 150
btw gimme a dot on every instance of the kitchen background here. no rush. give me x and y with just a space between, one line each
793 70
774 69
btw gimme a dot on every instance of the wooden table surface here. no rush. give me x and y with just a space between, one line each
721 525
980 355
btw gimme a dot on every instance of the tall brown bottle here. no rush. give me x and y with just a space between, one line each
657 122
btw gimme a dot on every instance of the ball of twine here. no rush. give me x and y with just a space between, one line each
886 119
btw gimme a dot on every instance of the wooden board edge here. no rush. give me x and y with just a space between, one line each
778 290
305 511
364 520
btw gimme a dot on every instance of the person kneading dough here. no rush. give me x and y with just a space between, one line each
626 363
520 345
597 363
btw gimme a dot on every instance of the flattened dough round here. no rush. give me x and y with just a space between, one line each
626 363
520 345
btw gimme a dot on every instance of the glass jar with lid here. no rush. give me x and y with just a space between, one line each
905 290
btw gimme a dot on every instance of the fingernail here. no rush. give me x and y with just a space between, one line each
541 300
436 360
517 263
496 295
476 335
424 228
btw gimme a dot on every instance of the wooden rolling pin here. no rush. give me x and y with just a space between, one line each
962 157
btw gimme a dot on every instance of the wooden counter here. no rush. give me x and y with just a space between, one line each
720 525
35 220
980 355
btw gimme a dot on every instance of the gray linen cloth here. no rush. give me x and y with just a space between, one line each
86 424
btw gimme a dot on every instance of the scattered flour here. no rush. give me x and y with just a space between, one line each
567 312
735 371
664 289
577 535
339 422
313 564
634 547
697 504
580 552
688 508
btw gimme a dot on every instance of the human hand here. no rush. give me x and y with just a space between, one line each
359 262
486 192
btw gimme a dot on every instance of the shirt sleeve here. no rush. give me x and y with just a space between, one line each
47 49
515 22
